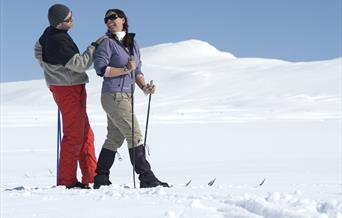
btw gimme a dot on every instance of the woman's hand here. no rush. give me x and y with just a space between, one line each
149 88
131 65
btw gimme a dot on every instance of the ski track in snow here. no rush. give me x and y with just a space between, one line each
197 201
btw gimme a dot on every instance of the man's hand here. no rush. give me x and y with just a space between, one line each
149 88
99 40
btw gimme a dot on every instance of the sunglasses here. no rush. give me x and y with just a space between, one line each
69 19
111 17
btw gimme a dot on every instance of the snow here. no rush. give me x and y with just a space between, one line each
239 120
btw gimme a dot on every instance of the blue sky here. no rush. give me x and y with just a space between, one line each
293 30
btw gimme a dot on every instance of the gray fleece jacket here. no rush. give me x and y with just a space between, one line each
60 59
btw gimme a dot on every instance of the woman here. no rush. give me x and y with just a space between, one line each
116 59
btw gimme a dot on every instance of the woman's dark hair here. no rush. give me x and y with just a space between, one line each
126 40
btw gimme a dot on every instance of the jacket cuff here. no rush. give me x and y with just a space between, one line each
102 71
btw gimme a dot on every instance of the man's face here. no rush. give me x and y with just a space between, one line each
67 23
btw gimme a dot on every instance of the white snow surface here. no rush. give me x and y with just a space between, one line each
239 120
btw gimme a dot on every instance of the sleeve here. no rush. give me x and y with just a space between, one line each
102 57
137 50
38 53
81 62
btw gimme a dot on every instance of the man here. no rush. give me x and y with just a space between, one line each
64 70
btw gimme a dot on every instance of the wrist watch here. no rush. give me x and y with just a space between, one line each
125 69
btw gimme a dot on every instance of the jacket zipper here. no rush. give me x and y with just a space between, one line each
129 55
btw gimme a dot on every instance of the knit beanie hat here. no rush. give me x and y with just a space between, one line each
57 14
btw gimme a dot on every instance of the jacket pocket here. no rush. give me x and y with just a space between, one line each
114 82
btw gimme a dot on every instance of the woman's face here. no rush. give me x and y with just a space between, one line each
114 22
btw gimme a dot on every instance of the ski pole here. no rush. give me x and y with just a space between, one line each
132 105
148 117
131 52
59 137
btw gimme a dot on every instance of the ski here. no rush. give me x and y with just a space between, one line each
262 182
210 183
188 183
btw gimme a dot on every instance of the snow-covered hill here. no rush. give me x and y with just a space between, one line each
239 120
198 83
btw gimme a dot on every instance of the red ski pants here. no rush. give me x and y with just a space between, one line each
78 138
